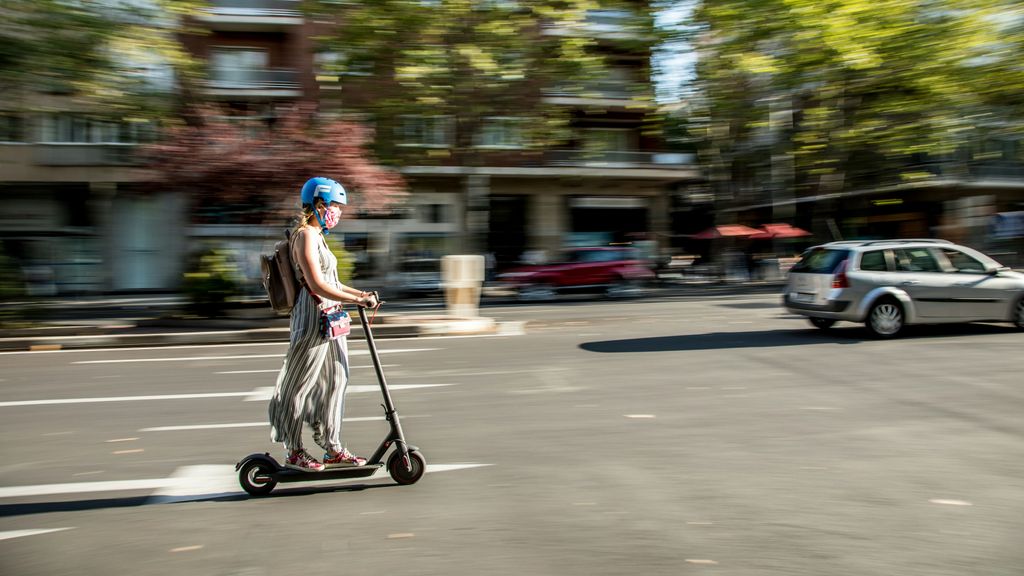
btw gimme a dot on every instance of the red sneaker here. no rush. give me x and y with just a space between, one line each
301 460
343 458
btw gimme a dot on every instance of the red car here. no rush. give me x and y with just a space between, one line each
616 271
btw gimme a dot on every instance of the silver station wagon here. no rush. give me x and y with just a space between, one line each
888 284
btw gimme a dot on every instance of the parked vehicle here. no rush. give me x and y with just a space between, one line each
615 271
888 284
416 277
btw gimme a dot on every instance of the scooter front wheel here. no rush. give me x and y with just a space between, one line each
256 478
402 474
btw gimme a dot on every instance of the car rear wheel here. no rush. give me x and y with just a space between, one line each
885 319
823 323
536 292
1018 314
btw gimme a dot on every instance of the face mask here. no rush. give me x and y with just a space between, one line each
331 217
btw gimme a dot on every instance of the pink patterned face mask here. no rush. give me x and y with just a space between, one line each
332 216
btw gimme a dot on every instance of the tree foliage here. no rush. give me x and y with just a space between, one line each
464 59
118 56
849 90
245 173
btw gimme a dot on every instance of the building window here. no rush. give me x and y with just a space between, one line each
435 213
599 140
80 129
11 128
236 65
501 132
426 131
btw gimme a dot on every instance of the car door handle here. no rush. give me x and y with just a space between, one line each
910 282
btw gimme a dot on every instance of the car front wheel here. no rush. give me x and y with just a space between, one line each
1018 314
885 319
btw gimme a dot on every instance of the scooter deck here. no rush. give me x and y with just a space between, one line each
291 475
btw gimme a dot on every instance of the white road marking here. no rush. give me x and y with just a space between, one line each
237 357
276 370
20 533
951 502
81 487
264 393
642 416
251 424
122 399
187 483
259 394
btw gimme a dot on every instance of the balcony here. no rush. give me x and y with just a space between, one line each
254 83
83 154
252 15
620 159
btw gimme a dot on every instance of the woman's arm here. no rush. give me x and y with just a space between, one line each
309 263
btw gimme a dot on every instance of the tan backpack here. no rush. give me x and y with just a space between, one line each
279 277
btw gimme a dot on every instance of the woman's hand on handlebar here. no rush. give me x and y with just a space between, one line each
370 301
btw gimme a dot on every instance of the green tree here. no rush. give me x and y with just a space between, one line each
119 57
852 91
466 61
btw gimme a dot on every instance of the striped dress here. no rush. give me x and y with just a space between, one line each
311 385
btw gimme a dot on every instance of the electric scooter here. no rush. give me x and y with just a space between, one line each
260 473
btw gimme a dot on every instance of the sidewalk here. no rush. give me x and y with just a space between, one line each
157 320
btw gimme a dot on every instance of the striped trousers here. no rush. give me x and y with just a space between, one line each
311 385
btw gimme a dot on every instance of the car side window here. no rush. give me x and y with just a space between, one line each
873 261
916 260
962 262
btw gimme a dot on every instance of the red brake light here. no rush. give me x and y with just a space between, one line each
839 280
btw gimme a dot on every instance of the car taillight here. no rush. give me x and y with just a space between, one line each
839 279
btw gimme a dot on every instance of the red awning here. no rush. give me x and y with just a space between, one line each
726 230
769 231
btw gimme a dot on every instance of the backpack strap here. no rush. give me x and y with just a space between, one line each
298 269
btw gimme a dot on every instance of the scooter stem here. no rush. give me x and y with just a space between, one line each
389 407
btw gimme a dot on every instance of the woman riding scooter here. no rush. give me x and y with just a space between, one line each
311 385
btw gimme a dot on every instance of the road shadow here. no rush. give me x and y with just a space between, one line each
725 341
29 508
848 334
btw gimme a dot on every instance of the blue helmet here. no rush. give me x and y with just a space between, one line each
324 188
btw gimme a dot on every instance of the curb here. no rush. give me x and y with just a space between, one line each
133 337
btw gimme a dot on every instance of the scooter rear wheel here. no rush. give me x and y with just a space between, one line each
255 478
402 475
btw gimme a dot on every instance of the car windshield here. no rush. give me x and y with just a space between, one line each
820 261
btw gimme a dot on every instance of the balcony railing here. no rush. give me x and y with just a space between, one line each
84 154
619 159
254 79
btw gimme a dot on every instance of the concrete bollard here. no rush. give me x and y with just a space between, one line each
462 275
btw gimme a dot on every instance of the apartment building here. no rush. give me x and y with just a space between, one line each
78 218
610 181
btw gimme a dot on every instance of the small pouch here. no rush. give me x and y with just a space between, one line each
334 323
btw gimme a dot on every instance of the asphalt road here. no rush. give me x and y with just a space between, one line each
672 436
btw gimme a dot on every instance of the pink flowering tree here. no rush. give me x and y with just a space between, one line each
237 171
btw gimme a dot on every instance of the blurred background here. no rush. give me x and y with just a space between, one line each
158 146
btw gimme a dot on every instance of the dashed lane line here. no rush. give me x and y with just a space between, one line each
235 357
254 424
186 483
21 533
258 394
